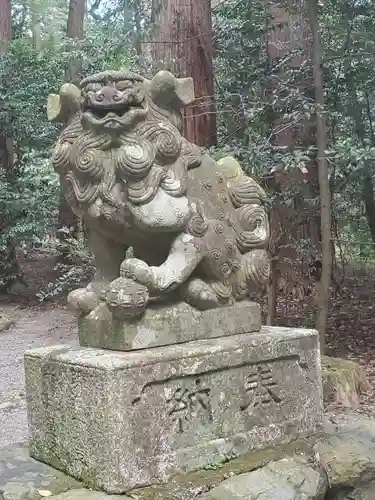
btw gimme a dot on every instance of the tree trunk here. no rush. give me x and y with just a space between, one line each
368 198
357 112
290 33
5 24
36 24
128 16
137 43
368 183
182 43
325 195
9 267
6 143
272 295
74 30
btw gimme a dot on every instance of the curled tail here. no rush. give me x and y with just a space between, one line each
252 228
248 199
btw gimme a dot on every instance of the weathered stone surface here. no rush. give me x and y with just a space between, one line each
185 486
287 479
347 450
84 494
21 492
124 420
366 492
199 229
166 325
343 381
188 486
21 476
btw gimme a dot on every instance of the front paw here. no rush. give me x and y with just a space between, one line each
138 271
84 300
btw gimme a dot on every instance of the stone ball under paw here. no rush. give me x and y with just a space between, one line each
126 298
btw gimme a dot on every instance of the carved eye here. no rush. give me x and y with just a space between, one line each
94 87
123 84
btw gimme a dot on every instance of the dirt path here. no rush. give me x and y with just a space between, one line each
34 327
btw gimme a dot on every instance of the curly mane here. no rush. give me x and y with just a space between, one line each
152 155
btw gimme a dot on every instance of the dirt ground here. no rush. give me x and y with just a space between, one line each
351 333
35 325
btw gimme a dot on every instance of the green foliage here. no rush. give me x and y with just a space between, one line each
250 93
27 77
28 211
264 90
29 192
72 275
29 204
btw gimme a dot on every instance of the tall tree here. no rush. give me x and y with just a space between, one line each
5 24
75 31
325 195
183 43
9 268
6 145
289 52
35 8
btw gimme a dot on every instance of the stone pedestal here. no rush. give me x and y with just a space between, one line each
121 420
162 325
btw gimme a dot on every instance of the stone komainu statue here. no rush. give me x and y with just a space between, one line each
198 229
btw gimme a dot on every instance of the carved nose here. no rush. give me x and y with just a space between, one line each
106 97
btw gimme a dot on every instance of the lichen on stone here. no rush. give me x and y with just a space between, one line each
343 381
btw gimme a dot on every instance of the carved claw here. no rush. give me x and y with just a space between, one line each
156 279
199 294
137 270
166 89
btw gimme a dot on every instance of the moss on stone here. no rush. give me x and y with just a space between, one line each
343 381
182 486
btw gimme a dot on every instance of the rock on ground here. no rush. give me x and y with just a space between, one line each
287 479
347 451
6 321
342 460
362 493
343 381
83 494
21 477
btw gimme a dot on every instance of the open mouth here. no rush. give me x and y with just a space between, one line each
114 116
102 113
